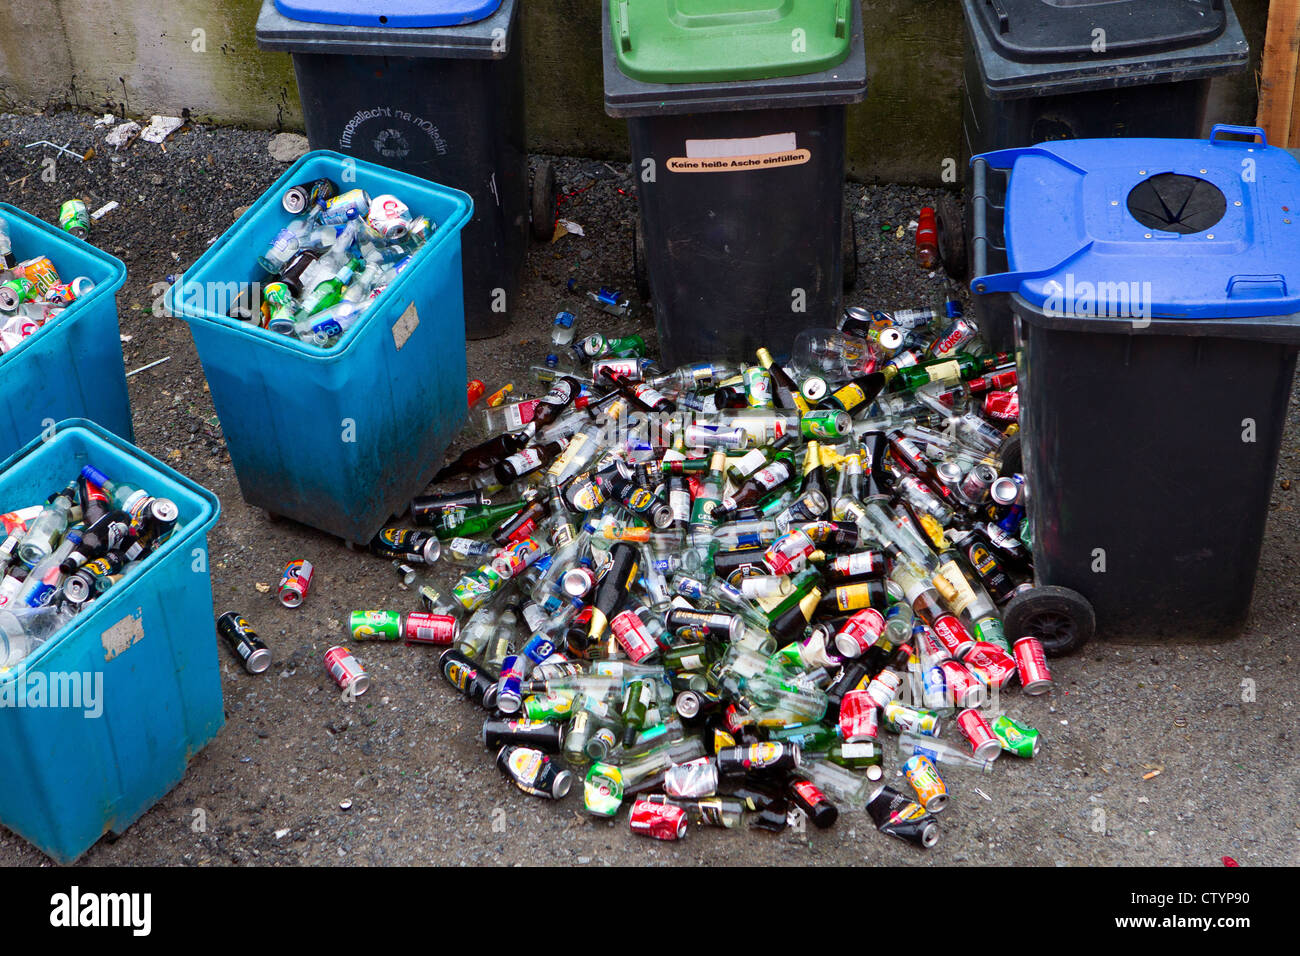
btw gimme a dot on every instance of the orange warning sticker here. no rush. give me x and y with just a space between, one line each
736 164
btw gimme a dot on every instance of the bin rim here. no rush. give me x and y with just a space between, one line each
1006 79
200 525
1279 329
1238 269
631 98
447 231
101 291
487 38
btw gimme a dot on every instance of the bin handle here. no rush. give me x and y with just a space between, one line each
1276 279
842 18
979 214
624 27
1238 131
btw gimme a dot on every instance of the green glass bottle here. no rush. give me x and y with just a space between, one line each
951 370
475 519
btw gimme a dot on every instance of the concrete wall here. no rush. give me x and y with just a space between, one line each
145 56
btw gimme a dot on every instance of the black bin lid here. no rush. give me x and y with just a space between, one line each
1029 31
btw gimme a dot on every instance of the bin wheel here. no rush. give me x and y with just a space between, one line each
640 271
849 249
951 233
544 199
1061 619
274 517
1012 460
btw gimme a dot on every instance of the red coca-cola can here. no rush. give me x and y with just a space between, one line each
663 821
884 687
952 635
633 636
931 648
984 743
859 718
425 628
860 632
1004 406
346 671
964 690
991 663
295 582
1031 663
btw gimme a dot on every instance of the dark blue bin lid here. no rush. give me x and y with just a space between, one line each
1195 229
392 13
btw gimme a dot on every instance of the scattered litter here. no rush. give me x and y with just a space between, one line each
983 794
160 127
1153 773
104 210
345 804
263 588
564 225
281 834
61 149
902 230
122 135
108 119
143 368
126 338
1229 861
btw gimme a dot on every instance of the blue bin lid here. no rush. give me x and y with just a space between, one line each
392 13
1199 229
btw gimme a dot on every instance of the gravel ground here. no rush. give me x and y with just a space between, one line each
405 759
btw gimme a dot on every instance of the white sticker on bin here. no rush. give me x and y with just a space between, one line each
128 631
749 146
405 325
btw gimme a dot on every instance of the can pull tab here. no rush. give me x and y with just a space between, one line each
1237 131
1252 284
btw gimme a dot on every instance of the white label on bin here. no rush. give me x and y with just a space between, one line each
739 155
405 325
128 631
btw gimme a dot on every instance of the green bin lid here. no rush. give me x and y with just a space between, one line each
692 41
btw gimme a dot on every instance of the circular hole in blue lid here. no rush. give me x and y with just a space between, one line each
1173 202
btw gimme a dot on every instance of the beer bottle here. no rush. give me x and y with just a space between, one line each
472 520
814 474
949 370
564 391
484 456
786 389
622 570
858 394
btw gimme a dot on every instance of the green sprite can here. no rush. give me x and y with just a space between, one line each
375 625
758 387
1016 738
15 292
825 423
602 792
990 629
74 218
555 705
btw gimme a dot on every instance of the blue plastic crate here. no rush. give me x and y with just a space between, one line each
72 367
69 778
337 438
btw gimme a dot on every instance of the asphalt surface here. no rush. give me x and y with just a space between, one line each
1150 755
